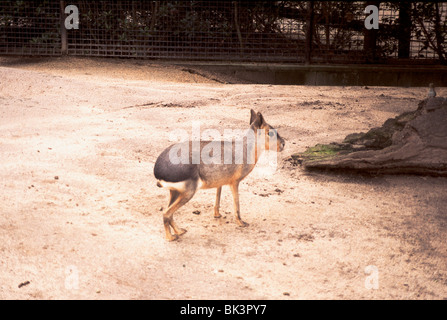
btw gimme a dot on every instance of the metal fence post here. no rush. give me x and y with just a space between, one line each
309 32
404 30
370 39
62 28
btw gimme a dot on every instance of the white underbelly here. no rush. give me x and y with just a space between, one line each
178 186
181 186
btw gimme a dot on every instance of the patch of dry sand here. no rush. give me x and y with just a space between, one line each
80 213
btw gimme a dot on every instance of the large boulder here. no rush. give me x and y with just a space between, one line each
414 142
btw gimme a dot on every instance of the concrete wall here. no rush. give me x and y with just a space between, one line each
321 75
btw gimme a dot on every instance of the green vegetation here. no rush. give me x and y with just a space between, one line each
322 152
374 139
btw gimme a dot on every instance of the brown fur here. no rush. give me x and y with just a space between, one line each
212 175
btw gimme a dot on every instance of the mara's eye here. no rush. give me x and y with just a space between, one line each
272 133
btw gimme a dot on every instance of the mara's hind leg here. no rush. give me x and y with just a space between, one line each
176 200
216 206
173 196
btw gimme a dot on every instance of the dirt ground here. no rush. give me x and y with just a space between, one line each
80 213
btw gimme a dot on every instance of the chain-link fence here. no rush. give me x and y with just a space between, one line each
30 27
216 30
258 31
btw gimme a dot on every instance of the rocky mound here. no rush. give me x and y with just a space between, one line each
414 142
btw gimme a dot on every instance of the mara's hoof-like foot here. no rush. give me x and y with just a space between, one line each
217 215
180 231
242 224
171 238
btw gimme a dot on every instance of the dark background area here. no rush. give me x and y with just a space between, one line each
318 32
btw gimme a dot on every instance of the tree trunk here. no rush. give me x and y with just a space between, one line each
309 31
370 38
404 30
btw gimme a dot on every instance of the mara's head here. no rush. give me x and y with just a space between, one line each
273 140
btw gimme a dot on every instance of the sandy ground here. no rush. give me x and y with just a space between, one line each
80 212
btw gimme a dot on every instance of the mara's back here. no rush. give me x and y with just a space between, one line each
214 163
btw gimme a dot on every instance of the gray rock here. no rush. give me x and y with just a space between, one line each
419 148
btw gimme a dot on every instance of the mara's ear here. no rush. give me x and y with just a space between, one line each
252 116
261 119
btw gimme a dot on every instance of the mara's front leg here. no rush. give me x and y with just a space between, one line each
235 190
217 204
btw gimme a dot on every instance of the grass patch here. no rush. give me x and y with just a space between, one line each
323 151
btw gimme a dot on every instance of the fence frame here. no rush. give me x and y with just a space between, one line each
311 53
